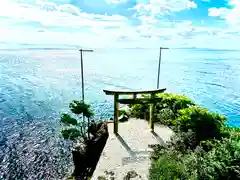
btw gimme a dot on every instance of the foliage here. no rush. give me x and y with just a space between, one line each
121 112
231 132
183 141
222 162
124 111
68 120
166 109
204 124
164 116
174 102
76 128
140 111
169 166
203 147
79 107
71 133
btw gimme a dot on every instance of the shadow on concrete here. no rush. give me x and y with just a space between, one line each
134 153
125 145
135 156
128 148
158 138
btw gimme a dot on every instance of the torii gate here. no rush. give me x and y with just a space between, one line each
152 100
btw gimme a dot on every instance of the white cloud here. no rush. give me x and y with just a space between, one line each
100 31
49 14
232 16
90 27
216 12
115 1
191 4
156 7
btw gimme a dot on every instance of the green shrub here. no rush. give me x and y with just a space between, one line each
164 116
231 132
204 124
77 128
166 109
140 111
71 133
183 141
203 147
79 107
209 144
169 166
222 162
173 101
124 111
68 120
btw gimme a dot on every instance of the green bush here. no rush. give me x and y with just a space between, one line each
204 124
140 111
231 132
173 101
164 116
166 109
124 111
203 147
77 128
222 162
170 165
71 133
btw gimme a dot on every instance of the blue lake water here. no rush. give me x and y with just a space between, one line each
37 85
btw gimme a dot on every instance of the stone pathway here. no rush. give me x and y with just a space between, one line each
129 151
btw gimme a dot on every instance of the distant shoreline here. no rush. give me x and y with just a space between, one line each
67 49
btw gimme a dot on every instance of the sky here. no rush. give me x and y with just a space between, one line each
121 23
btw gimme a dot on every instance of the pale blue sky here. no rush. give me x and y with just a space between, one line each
121 23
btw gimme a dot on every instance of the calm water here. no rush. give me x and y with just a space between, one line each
37 85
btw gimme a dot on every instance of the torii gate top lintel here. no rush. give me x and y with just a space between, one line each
122 92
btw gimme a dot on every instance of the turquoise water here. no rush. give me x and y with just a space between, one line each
37 85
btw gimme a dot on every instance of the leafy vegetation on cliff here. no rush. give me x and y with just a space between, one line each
76 128
88 138
203 147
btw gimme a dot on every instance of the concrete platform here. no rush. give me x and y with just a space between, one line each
129 151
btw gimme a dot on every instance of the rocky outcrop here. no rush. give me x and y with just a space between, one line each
86 156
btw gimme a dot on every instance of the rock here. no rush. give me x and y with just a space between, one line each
130 175
93 128
86 156
123 118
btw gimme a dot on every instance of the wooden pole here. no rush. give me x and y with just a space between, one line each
81 54
151 119
134 96
159 65
115 130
